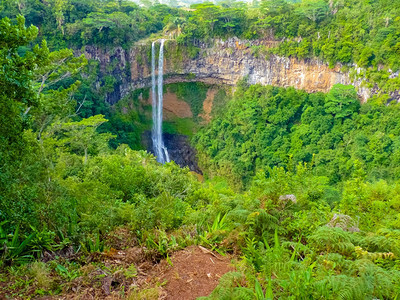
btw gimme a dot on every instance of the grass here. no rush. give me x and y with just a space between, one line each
185 126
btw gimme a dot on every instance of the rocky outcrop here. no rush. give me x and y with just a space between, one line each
227 62
222 62
114 63
344 222
179 149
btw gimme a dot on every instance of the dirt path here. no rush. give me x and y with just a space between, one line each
133 274
195 272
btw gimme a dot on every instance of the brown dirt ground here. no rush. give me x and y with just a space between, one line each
135 273
208 104
174 107
98 283
195 272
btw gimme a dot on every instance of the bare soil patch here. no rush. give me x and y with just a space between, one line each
134 274
195 272
208 104
174 107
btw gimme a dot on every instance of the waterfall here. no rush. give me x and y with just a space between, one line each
158 145
153 97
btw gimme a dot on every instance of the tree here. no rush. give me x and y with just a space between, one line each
275 7
55 101
59 7
19 164
208 13
16 92
366 57
82 136
341 101
315 10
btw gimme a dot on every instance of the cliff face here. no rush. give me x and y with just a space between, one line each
112 62
226 62
179 150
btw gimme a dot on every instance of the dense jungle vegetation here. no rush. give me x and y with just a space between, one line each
302 189
269 126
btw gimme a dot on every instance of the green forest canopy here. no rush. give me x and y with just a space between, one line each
363 32
270 126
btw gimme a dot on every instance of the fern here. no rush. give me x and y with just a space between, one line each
261 222
392 240
230 288
363 280
373 255
326 239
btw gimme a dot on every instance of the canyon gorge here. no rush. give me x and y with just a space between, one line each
219 64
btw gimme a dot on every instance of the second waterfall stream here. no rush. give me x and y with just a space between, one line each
159 148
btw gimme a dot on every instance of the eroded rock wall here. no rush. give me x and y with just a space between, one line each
114 63
226 62
222 62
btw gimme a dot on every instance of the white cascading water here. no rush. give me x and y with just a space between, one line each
153 97
159 149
